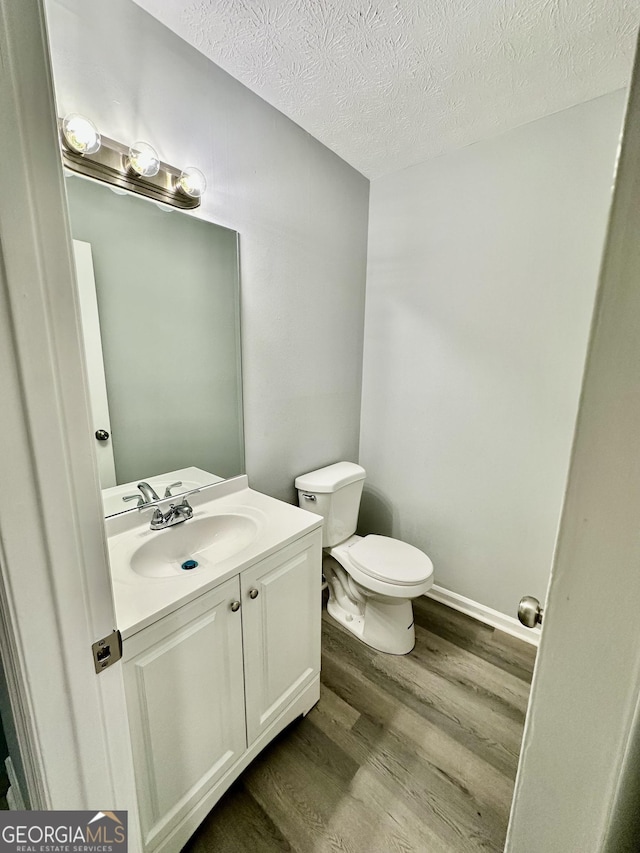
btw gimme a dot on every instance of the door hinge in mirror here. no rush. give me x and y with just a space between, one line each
106 651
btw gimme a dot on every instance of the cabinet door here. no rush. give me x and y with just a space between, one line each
281 629
184 688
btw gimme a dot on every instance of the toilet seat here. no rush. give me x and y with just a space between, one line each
390 560
384 585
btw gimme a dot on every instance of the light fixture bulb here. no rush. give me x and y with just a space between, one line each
80 134
144 160
192 182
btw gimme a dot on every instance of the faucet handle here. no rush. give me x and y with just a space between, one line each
137 497
158 517
184 509
167 491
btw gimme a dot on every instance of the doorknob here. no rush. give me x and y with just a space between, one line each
102 435
530 612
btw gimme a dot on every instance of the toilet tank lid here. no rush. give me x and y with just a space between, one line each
331 478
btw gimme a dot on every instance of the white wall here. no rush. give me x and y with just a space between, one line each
481 277
301 213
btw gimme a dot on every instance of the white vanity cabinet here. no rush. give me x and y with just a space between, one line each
281 632
185 698
209 685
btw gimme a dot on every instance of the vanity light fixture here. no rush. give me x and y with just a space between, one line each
80 134
136 168
144 160
192 182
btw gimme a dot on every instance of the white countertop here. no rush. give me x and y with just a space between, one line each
140 601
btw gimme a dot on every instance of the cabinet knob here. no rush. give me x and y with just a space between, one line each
235 606
253 593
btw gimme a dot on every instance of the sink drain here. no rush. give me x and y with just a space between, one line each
189 564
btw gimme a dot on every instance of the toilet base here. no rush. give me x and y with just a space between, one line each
384 624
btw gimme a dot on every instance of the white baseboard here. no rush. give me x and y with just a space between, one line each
508 624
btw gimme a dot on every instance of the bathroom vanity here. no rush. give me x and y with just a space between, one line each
218 608
219 613
219 658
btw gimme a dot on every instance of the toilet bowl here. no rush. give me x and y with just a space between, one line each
371 579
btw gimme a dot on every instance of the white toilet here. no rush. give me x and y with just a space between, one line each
371 579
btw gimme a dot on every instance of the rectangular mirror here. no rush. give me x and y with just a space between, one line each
159 293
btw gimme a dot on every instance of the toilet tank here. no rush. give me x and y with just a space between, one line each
333 492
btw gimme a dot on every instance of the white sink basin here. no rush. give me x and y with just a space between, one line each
205 541
232 527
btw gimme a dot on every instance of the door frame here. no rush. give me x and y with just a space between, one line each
55 590
583 722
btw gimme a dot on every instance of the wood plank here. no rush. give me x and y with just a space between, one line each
320 808
335 709
458 710
238 823
496 647
481 782
505 692
437 800
414 754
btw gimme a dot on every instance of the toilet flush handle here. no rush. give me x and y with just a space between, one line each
308 497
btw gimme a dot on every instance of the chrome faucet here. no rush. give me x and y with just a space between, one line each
174 515
146 495
148 492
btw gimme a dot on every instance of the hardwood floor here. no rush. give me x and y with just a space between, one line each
414 754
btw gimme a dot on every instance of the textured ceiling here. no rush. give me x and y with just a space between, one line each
389 83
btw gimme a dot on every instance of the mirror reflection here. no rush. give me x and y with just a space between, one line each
159 294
